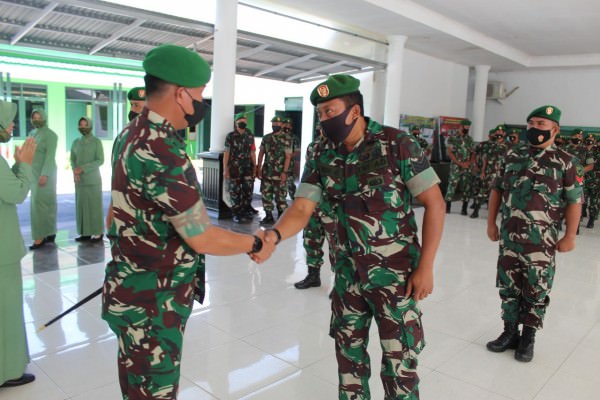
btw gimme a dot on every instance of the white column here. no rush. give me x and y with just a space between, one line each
377 103
225 44
479 95
393 92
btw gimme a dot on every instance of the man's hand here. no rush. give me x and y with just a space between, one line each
420 283
565 244
267 248
43 180
492 232
26 152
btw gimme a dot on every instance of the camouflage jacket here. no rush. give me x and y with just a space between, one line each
240 147
494 153
461 146
156 203
536 186
275 147
371 189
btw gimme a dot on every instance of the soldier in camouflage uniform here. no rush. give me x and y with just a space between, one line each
512 139
416 132
540 185
159 228
276 148
592 181
492 158
239 163
577 148
369 175
291 179
460 150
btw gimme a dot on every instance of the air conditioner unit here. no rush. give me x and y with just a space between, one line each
496 90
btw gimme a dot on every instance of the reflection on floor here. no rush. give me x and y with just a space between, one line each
256 337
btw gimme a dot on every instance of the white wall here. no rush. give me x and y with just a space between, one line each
574 91
432 87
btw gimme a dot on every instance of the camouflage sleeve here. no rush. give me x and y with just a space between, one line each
170 179
191 222
228 142
573 180
310 184
414 167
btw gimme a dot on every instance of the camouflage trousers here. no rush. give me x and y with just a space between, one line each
273 189
400 335
291 181
313 238
525 276
240 190
149 324
592 195
485 187
459 184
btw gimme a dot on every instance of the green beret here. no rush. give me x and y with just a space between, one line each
500 128
277 118
335 86
514 130
549 112
465 122
577 131
492 131
287 120
239 116
415 127
177 65
137 93
590 136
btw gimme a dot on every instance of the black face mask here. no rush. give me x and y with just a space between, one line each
276 128
335 129
199 112
537 136
465 131
575 141
286 130
589 143
132 115
241 125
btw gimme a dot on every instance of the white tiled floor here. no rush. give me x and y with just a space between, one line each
256 337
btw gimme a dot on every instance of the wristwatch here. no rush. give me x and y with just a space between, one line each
257 245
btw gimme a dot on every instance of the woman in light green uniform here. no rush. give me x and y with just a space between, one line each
14 186
43 192
87 156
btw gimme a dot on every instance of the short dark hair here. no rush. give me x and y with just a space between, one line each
154 85
352 99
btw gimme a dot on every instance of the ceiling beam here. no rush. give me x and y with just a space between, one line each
115 36
254 50
312 71
285 64
31 24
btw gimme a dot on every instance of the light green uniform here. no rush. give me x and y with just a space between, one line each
87 153
14 186
43 198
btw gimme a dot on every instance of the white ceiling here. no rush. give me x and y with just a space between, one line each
505 34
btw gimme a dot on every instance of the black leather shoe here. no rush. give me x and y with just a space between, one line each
475 213
590 223
508 339
464 208
24 379
82 238
312 280
240 219
268 219
252 210
448 207
50 239
96 239
524 351
35 246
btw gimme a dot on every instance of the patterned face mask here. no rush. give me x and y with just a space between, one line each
537 136
5 135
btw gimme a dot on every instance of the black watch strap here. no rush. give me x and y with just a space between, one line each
277 233
257 245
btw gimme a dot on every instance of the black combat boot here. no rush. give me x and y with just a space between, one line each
475 213
590 223
448 207
584 211
464 208
268 219
509 339
525 349
312 280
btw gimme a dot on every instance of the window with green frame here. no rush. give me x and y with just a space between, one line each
27 97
